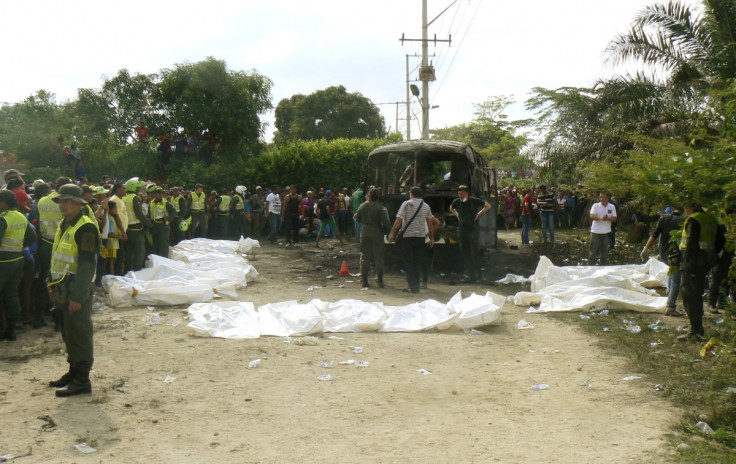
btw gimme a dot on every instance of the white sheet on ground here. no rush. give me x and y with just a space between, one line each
513 279
201 269
289 318
576 288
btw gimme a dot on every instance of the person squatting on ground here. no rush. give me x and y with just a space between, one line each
73 264
15 233
374 219
698 246
468 210
603 214
665 225
413 220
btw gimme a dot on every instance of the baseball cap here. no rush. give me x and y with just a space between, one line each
23 199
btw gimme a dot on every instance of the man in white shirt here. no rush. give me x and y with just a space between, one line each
603 214
413 215
273 211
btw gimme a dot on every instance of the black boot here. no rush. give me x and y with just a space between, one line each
379 281
58 319
80 385
64 380
9 334
39 320
364 282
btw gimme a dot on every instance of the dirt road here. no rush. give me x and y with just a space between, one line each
477 405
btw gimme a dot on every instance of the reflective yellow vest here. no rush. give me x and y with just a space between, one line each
708 231
175 203
239 205
157 210
224 207
65 253
12 240
49 217
198 202
132 218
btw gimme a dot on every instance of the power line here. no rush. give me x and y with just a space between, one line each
462 40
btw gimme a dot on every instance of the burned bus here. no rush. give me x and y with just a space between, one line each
439 167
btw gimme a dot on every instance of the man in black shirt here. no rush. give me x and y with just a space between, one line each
665 225
546 202
468 209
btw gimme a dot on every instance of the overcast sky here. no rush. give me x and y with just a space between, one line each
498 47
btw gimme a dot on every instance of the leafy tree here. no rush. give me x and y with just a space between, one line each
124 102
491 134
327 114
206 99
686 59
32 128
697 53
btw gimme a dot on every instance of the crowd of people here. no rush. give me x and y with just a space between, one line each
58 239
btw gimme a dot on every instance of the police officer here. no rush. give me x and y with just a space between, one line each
374 219
73 264
468 210
238 210
135 248
49 217
15 233
697 245
223 204
196 206
179 202
161 212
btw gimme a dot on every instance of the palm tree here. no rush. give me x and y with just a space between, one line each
696 52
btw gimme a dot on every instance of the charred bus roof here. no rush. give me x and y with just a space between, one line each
466 165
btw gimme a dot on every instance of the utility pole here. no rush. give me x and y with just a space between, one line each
408 102
425 74
426 71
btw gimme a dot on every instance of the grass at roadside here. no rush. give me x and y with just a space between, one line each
699 385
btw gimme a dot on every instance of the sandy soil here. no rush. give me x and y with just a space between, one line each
476 406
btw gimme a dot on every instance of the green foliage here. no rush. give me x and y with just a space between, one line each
491 134
327 114
204 100
666 172
207 99
30 129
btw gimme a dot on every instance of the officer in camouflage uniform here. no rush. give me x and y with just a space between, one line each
73 264
374 217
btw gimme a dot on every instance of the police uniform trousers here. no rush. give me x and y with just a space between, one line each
135 249
10 276
160 233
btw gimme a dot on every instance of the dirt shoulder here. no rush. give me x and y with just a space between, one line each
476 406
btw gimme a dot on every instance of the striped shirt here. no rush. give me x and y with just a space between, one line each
406 211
